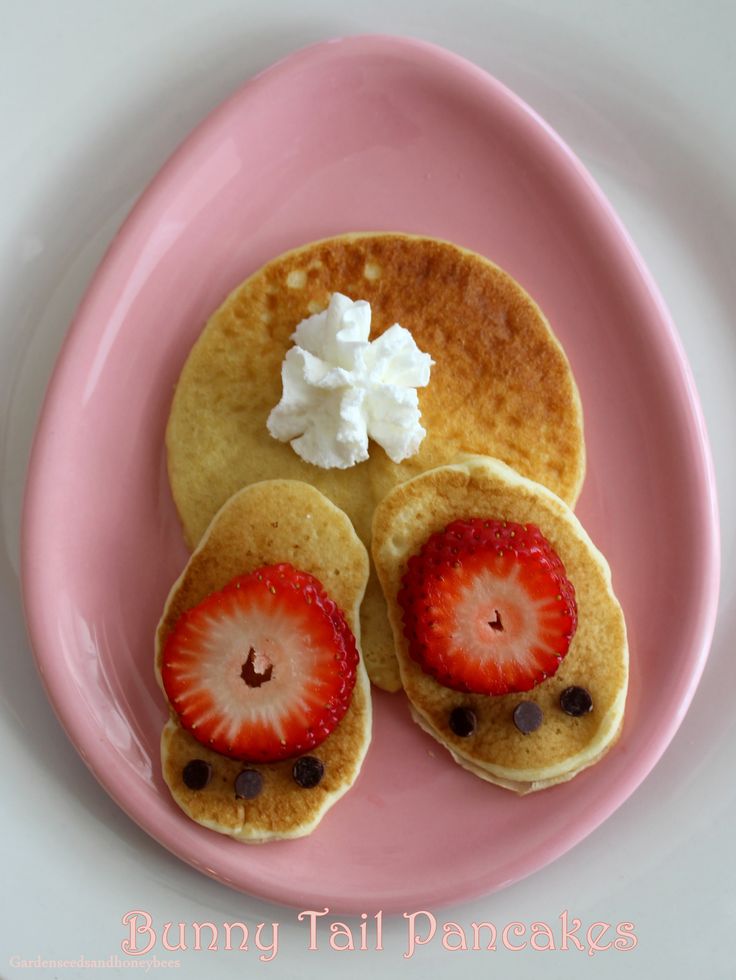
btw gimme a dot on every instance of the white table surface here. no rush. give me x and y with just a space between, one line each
94 97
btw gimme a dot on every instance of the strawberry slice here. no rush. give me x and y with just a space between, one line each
487 607
264 669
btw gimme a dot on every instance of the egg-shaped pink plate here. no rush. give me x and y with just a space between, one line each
363 133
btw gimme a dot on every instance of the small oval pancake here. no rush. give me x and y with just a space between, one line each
501 385
269 522
597 658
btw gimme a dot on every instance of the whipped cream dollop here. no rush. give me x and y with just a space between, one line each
340 389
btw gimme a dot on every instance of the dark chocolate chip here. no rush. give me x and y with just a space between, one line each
462 721
308 771
248 784
527 716
576 701
197 773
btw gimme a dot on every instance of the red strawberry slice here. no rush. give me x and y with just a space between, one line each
264 669
487 607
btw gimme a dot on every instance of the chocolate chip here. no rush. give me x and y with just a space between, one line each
248 784
308 771
197 773
462 721
576 701
527 716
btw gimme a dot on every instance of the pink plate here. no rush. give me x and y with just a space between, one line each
363 133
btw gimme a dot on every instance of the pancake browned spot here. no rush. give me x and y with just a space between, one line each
266 523
501 385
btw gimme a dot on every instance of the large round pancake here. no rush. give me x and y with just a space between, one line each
598 655
501 385
265 523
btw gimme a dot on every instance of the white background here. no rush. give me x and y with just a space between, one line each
94 96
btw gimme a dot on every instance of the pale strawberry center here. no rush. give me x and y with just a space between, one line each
498 618
495 617
247 669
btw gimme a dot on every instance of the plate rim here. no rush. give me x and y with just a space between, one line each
83 733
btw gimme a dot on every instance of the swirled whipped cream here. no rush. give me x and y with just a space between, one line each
341 389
